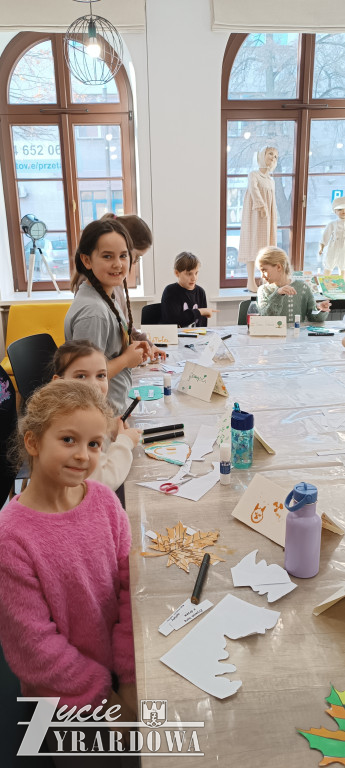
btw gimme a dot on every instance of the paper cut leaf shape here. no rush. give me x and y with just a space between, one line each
330 743
183 548
174 452
197 657
262 578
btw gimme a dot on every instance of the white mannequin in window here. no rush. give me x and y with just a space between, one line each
333 237
259 215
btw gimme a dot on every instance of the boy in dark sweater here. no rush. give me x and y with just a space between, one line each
185 302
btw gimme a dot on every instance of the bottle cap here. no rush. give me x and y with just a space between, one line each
225 452
306 491
241 419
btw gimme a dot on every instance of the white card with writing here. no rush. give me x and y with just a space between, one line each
199 381
161 334
267 325
183 615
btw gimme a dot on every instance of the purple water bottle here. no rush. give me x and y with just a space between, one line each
303 532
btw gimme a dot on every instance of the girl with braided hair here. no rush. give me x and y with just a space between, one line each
103 257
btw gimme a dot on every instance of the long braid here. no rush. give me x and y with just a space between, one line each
129 310
98 287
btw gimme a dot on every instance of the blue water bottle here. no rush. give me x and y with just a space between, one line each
242 438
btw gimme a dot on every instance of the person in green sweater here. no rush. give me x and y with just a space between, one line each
283 295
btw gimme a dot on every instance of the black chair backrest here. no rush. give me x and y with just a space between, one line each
151 314
30 359
8 424
242 312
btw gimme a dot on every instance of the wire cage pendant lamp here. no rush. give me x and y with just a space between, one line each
93 48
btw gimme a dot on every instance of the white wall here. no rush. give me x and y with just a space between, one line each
177 62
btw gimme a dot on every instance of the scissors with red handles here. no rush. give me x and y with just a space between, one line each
168 488
173 487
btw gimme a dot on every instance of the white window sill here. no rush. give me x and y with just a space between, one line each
231 294
21 297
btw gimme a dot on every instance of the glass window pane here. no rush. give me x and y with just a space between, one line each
55 249
98 150
44 199
235 270
99 197
329 67
327 146
265 67
326 181
312 258
244 139
37 151
92 94
33 79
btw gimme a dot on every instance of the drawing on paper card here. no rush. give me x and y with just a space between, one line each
257 514
174 452
278 506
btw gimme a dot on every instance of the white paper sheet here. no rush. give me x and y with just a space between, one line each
183 615
203 442
262 578
213 343
197 657
195 489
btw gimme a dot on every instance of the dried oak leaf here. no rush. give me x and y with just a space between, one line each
330 743
183 548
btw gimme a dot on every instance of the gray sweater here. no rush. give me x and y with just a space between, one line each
270 302
89 317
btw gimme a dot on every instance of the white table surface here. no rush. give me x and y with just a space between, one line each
296 390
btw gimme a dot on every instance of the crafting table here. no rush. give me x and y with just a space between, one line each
296 389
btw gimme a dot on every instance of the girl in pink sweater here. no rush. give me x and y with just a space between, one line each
65 615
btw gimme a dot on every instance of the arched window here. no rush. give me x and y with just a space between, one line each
67 152
287 90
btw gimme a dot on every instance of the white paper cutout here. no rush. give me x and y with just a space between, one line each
195 488
262 578
213 343
161 334
197 657
267 325
331 600
203 442
199 381
175 452
183 615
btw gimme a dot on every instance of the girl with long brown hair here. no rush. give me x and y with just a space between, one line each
104 258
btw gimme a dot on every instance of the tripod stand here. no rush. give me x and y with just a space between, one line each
33 250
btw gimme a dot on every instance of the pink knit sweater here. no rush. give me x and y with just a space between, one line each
65 616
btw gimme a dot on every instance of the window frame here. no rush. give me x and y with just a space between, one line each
303 109
65 114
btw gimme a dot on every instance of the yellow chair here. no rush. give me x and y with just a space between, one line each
35 317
